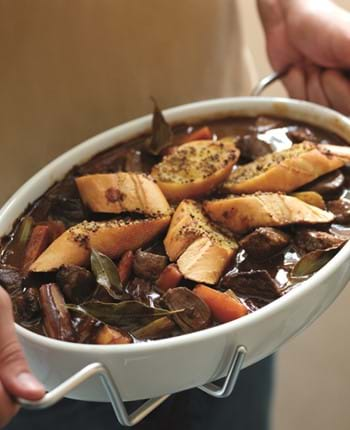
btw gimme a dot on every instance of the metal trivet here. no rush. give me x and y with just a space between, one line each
111 387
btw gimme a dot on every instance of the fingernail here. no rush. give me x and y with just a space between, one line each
29 382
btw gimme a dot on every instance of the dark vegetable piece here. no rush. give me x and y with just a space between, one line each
327 184
264 123
140 289
10 277
196 314
341 210
125 266
251 147
38 242
77 283
155 329
311 240
312 262
148 265
128 315
56 318
256 285
26 305
162 134
264 242
169 278
111 336
106 273
299 134
133 161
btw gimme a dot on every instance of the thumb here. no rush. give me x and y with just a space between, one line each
15 375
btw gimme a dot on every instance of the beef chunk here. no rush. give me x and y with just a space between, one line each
68 210
310 240
299 134
148 265
10 277
264 242
27 305
77 283
255 285
341 210
251 147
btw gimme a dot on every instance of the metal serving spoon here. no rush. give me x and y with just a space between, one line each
268 80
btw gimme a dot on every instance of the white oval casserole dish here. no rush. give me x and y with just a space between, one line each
151 369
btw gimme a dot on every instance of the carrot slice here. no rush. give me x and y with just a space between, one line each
38 242
169 278
125 266
203 133
223 306
200 134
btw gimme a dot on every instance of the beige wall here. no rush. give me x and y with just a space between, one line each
313 372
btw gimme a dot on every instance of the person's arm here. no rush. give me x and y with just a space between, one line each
15 377
314 36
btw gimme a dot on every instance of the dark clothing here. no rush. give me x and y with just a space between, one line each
248 408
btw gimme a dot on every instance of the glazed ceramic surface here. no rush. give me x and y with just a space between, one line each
165 366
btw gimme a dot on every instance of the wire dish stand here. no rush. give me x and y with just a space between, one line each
111 387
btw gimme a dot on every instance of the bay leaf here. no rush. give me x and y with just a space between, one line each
161 132
312 261
106 273
129 314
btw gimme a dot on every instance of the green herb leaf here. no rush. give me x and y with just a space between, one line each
161 132
128 314
106 273
312 262
25 231
15 250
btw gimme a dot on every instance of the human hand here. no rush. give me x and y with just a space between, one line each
314 37
15 377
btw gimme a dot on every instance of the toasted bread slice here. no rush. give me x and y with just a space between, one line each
311 197
204 261
243 213
112 238
282 171
195 168
122 192
339 151
201 246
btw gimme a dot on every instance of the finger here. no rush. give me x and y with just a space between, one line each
270 12
295 83
337 89
280 51
14 371
8 408
314 89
